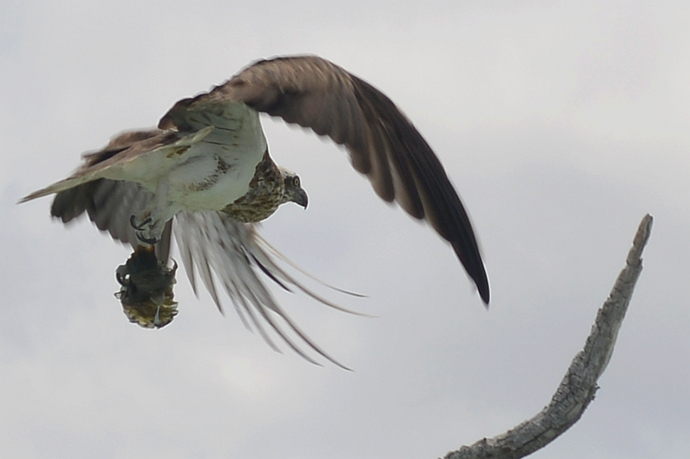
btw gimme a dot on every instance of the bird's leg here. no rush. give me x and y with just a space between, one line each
150 223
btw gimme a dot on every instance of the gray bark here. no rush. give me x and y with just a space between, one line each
579 384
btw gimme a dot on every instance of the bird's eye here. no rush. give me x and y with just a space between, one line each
295 181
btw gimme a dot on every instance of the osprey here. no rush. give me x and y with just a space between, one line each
205 175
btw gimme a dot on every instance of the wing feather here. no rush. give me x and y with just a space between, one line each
215 244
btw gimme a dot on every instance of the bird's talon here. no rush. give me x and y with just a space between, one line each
146 240
139 226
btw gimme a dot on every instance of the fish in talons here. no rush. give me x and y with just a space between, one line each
146 289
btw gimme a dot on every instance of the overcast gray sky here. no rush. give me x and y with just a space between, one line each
560 123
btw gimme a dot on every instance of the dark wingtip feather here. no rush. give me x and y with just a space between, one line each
475 269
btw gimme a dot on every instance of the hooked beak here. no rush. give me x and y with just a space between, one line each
301 198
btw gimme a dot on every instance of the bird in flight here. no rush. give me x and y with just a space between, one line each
205 175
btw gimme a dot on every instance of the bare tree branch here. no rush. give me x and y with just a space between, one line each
579 384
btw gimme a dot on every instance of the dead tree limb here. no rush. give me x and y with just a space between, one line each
579 384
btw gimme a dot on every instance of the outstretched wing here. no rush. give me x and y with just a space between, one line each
382 143
140 156
109 203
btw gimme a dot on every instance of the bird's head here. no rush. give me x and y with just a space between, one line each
293 191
